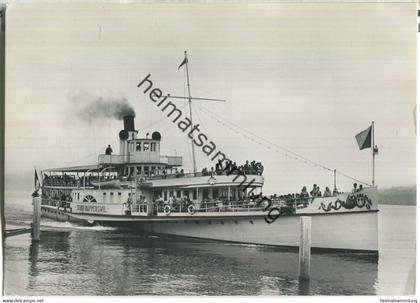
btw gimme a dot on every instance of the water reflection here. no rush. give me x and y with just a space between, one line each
127 263
304 288
33 259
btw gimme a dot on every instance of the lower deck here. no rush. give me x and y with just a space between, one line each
347 230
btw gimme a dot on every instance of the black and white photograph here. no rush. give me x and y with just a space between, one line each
192 149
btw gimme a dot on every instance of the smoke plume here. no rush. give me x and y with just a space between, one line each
99 108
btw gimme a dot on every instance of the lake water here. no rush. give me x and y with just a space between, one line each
75 260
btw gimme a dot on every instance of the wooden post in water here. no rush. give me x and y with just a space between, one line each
305 248
36 220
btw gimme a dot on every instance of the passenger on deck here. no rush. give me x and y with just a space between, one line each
304 193
260 169
314 190
327 192
318 192
354 187
218 169
247 167
360 187
108 150
171 200
204 171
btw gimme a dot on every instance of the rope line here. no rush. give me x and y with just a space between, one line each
268 144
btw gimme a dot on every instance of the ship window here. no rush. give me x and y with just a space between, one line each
165 195
104 198
119 194
178 194
89 199
138 146
215 193
153 146
205 193
146 146
194 195
78 196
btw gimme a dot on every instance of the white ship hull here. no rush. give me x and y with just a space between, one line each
346 230
351 231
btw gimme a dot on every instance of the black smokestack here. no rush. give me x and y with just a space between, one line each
97 108
128 123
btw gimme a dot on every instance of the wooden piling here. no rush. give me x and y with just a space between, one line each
36 220
305 248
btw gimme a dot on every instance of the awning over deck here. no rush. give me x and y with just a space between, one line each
74 169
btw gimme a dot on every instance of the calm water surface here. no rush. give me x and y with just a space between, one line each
74 260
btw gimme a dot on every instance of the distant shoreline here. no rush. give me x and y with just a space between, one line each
402 195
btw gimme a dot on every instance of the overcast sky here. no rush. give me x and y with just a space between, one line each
307 77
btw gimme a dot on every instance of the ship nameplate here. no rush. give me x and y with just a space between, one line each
91 208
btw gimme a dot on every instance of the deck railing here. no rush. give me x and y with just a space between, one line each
139 208
289 206
233 206
196 174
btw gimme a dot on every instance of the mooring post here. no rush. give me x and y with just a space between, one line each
305 248
36 220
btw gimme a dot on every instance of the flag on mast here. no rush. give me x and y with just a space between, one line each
364 138
183 62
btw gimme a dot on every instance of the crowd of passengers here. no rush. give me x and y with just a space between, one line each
289 199
71 180
314 193
249 168
60 180
183 202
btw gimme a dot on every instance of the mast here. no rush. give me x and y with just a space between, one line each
373 153
189 106
190 98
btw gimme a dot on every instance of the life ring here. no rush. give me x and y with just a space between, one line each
141 180
167 209
191 209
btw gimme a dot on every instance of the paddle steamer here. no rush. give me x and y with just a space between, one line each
142 189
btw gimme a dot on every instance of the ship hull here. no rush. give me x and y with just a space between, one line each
348 231
356 231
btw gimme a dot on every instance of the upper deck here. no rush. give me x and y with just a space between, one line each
195 180
135 158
